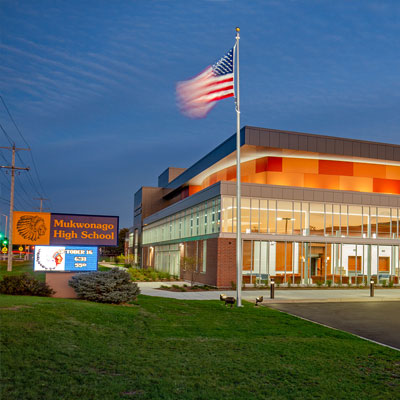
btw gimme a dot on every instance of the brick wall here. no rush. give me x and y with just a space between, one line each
210 276
226 263
221 264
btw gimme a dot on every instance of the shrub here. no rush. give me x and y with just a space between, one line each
319 283
329 283
25 285
148 274
113 286
121 260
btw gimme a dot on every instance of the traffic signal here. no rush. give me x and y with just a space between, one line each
5 242
1 235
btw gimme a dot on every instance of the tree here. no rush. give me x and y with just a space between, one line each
121 240
120 248
189 264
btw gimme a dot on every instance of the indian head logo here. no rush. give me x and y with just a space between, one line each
31 227
50 258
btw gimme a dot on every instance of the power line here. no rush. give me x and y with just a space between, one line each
30 177
41 190
6 135
12 119
18 188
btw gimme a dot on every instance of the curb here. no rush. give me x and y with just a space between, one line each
333 300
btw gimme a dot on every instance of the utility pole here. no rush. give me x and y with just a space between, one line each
41 202
10 225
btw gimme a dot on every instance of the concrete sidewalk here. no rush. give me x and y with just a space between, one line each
281 295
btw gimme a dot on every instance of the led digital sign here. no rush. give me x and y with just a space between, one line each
65 258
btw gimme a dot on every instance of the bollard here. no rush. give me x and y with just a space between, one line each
272 289
371 288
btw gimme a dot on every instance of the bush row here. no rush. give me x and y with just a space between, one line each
113 286
24 285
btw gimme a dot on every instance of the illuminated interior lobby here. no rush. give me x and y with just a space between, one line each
315 210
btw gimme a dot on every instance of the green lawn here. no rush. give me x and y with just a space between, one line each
20 267
171 349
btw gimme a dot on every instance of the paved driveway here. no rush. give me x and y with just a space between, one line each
378 321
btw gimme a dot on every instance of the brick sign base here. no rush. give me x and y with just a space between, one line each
58 281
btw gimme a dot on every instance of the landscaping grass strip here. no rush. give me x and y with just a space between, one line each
171 349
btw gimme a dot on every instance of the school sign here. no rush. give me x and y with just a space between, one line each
30 228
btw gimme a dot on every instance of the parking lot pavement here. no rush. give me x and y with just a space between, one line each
377 321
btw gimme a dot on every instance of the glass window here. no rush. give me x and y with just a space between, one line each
298 218
328 219
305 207
343 220
355 221
336 220
317 218
373 222
263 216
180 225
205 219
384 227
197 220
276 216
218 210
255 215
234 215
395 223
271 216
191 232
245 206
366 228
209 218
213 217
283 257
247 250
285 217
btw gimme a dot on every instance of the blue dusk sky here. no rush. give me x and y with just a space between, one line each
91 86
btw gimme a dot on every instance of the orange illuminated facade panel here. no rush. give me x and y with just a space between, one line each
356 184
313 173
391 186
322 181
371 170
327 167
305 165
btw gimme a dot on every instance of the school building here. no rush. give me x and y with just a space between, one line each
314 209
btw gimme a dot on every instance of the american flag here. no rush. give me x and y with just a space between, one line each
197 96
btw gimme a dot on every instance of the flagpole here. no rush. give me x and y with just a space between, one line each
238 202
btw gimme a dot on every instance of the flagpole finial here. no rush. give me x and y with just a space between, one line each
237 29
